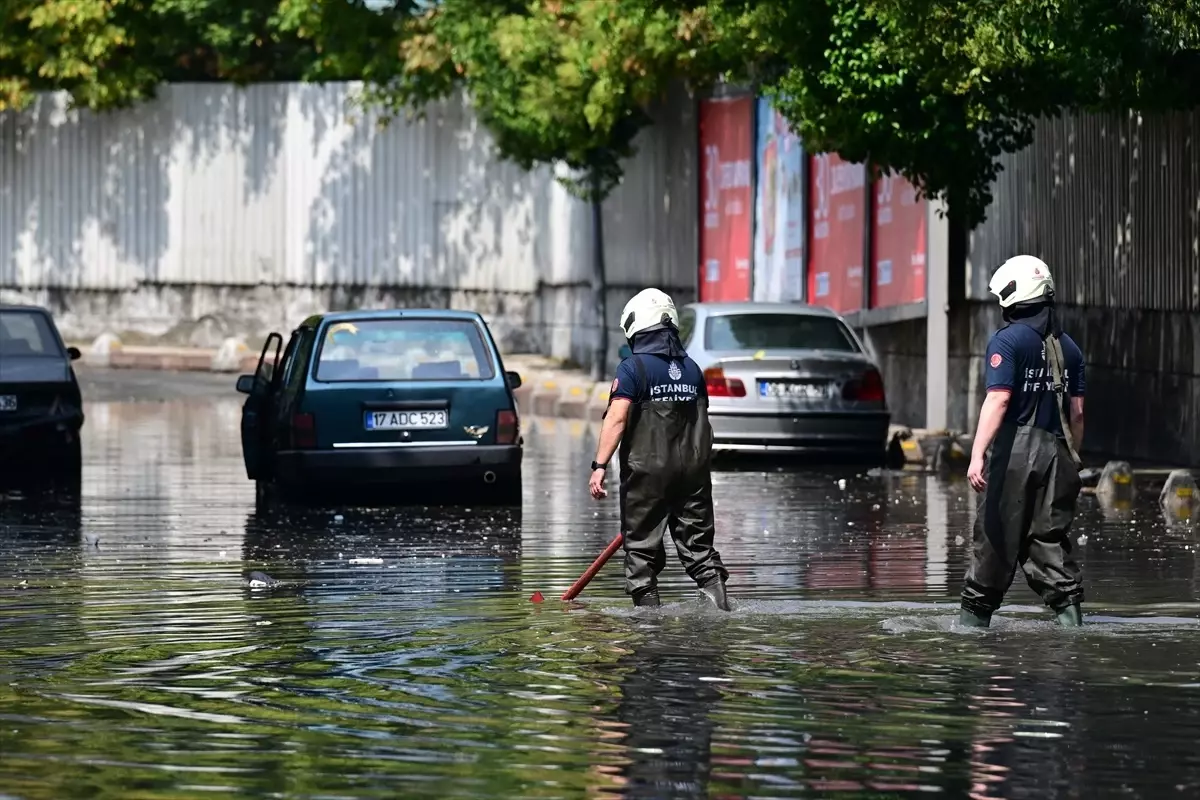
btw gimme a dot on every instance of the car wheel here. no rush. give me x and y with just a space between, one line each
68 472
264 493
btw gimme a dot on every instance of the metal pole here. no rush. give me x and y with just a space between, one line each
591 571
599 282
937 320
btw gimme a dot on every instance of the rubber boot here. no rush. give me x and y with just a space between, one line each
1069 617
969 619
714 592
647 599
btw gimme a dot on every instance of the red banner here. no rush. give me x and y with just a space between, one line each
898 243
835 261
725 152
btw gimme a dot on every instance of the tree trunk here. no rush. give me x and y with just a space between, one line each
599 284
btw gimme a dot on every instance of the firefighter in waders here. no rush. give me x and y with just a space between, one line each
1024 461
658 416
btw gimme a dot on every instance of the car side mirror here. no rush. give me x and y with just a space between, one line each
514 379
74 354
245 384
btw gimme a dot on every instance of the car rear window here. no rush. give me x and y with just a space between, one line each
403 350
777 332
26 333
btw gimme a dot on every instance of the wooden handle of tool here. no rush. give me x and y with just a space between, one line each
587 576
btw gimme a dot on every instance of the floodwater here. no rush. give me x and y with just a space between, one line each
400 655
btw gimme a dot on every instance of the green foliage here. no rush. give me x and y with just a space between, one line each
938 89
566 81
110 53
934 89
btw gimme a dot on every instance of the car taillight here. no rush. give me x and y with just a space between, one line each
720 386
304 431
507 427
867 389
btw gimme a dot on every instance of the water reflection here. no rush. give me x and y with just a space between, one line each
398 654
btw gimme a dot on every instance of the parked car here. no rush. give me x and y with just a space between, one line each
415 398
41 409
786 377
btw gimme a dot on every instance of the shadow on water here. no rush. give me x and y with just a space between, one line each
395 652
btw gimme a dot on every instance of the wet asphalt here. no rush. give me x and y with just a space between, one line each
165 638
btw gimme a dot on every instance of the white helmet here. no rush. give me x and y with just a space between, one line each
649 308
1022 279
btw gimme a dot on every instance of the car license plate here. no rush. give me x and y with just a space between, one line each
8 402
404 420
793 390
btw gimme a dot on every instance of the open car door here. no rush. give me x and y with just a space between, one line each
256 411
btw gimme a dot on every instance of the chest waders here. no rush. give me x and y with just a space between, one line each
1025 513
665 477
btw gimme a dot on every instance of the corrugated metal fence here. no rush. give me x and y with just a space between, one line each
1111 202
297 185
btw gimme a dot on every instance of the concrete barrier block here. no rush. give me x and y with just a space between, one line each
573 403
99 353
545 398
1179 495
1114 490
229 355
946 454
1117 477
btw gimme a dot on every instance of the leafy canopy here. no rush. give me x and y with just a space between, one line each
934 89
566 81
939 89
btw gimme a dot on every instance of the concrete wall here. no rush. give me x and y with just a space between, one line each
215 211
900 350
1142 370
1111 203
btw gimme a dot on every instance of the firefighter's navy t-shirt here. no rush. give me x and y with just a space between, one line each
667 379
1016 362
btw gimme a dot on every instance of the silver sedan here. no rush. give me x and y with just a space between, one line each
786 377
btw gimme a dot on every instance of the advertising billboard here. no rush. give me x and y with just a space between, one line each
778 209
725 225
835 259
898 246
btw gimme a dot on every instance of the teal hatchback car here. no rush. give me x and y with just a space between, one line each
407 399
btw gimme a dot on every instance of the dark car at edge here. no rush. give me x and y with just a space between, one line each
41 409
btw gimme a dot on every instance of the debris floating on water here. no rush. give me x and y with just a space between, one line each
537 597
261 580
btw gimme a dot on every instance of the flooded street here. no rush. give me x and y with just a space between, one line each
400 656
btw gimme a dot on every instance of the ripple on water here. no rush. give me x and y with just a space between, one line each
397 653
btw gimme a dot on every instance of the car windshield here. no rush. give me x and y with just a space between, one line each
27 333
777 332
403 350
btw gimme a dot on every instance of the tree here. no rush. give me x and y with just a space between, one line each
939 89
111 53
555 82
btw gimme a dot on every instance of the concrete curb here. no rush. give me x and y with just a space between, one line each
109 352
